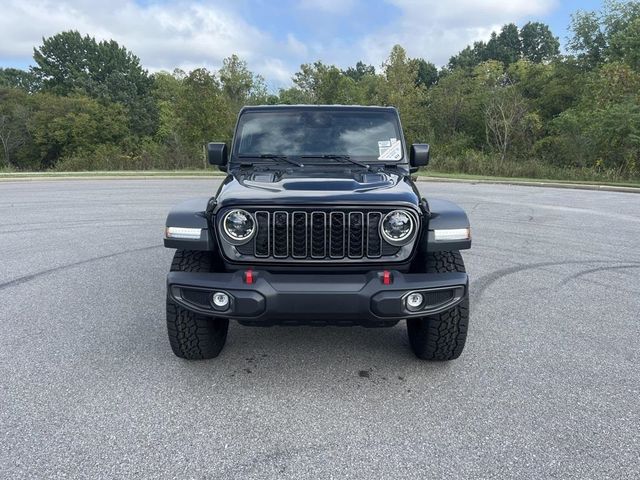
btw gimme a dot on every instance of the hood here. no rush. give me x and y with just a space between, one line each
300 188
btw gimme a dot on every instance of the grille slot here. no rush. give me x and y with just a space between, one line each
262 235
299 235
318 235
280 234
374 242
356 234
336 234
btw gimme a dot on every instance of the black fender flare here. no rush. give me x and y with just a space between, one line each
444 215
191 213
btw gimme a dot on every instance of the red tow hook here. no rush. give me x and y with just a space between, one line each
248 277
386 277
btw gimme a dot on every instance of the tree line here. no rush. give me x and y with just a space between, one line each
510 106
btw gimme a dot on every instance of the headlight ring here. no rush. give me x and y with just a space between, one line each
398 227
238 226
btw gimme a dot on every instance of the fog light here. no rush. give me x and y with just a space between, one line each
220 300
414 301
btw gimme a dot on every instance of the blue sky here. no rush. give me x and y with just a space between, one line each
274 37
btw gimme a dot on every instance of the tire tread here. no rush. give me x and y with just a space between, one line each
442 336
193 336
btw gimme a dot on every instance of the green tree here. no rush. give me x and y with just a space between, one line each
14 115
240 85
454 107
63 126
167 91
292 96
505 47
402 90
366 86
359 71
426 72
609 116
204 113
505 114
563 88
588 41
467 58
370 90
308 79
69 63
610 35
538 43
16 78
319 83
550 88
534 42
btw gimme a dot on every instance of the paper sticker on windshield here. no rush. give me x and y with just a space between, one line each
392 152
383 145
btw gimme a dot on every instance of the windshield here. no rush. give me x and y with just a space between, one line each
359 134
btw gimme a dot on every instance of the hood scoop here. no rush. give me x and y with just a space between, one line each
320 184
360 184
363 182
263 177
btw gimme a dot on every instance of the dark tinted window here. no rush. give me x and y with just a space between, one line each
359 134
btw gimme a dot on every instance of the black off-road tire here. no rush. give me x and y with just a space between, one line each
193 336
442 336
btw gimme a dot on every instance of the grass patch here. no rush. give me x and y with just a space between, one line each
484 165
114 173
488 178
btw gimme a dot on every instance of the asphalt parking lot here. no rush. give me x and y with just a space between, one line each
548 386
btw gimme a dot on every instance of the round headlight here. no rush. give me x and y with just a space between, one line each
397 227
238 226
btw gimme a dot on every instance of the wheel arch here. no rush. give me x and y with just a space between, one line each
444 215
191 214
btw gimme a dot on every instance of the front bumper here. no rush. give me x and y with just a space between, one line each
302 299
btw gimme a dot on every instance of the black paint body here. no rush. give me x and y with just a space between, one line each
267 185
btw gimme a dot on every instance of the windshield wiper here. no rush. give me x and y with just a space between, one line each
274 156
339 157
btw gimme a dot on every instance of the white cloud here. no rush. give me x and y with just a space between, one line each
296 46
194 33
275 70
164 36
435 30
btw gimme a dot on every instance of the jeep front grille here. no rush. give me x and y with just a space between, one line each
318 235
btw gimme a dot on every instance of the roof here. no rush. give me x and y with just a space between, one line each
316 107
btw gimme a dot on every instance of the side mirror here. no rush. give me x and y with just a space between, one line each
419 156
217 154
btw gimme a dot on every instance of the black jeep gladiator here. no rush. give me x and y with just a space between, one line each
318 223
